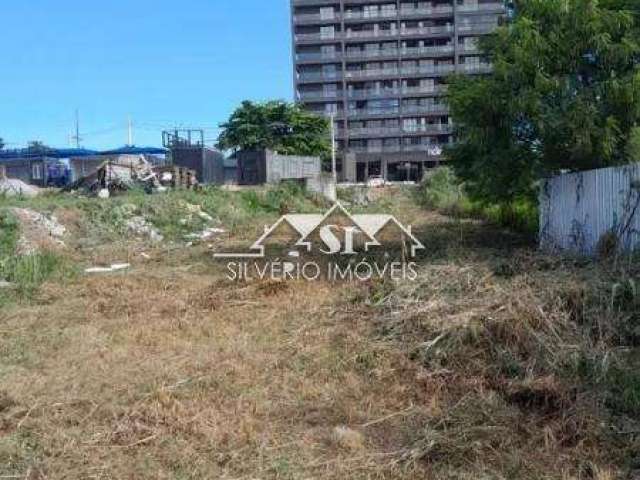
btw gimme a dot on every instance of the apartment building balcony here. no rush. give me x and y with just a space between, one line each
428 70
316 18
471 48
364 34
364 94
318 57
421 147
402 52
429 129
385 72
314 2
408 110
426 31
427 51
314 77
422 91
370 15
373 112
475 68
439 108
365 132
477 28
319 37
482 7
444 10
367 54
319 96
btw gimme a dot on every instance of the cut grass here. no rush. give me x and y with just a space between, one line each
498 363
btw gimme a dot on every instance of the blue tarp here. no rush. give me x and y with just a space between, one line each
133 150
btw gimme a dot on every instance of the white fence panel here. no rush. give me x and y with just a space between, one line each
578 209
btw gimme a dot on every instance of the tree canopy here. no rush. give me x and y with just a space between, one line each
276 125
564 95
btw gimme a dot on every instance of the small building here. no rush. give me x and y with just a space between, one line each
259 167
41 166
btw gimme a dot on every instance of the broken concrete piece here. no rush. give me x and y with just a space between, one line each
206 234
140 226
113 268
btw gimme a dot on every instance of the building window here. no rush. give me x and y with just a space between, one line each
36 171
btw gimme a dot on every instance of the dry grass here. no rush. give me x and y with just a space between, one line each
523 357
163 373
495 364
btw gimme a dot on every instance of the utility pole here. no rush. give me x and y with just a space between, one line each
129 131
77 129
334 167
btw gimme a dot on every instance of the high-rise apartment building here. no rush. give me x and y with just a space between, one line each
379 68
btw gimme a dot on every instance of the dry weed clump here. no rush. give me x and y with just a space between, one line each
524 370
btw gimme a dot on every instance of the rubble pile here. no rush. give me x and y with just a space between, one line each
38 231
127 172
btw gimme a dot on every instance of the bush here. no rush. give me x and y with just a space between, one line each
441 190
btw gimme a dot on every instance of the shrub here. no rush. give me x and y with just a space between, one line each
443 191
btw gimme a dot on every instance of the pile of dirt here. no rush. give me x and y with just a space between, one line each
38 231
12 187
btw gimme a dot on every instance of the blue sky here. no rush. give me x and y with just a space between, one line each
185 63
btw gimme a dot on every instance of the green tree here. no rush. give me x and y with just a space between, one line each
276 125
565 95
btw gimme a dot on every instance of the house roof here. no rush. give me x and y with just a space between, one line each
50 153
25 153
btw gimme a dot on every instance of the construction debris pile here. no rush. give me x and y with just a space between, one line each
128 172
38 231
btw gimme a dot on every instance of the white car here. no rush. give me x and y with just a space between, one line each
376 182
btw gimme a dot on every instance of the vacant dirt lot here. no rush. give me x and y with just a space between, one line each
169 371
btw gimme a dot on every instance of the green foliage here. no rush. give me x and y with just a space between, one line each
8 234
633 147
26 272
276 125
443 191
30 271
565 95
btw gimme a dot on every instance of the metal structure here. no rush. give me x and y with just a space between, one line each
379 67
577 210
188 150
